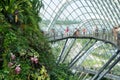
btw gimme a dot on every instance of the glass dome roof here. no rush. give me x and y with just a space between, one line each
85 53
102 13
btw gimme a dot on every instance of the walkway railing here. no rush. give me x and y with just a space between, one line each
108 36
98 74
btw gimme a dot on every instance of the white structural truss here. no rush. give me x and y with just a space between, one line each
90 53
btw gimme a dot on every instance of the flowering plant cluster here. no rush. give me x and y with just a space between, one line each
17 68
25 53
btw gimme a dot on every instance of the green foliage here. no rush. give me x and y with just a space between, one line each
43 74
25 52
61 72
23 7
24 47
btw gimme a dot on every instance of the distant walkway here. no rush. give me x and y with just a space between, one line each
79 56
112 35
106 37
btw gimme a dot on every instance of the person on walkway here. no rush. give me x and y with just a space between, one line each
104 33
52 33
77 32
96 32
67 31
84 31
114 31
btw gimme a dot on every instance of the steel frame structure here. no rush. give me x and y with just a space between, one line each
103 13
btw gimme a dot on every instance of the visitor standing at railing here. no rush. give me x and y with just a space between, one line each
52 33
104 33
77 32
84 31
114 30
116 33
67 31
96 32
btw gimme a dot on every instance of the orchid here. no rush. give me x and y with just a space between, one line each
13 56
10 64
17 69
34 60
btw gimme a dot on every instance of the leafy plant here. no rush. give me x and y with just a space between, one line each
25 52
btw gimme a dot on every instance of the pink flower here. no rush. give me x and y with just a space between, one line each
17 69
34 60
13 56
10 64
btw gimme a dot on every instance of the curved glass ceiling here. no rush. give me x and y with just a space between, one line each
106 11
83 54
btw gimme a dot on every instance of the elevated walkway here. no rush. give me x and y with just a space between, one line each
105 37
75 60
